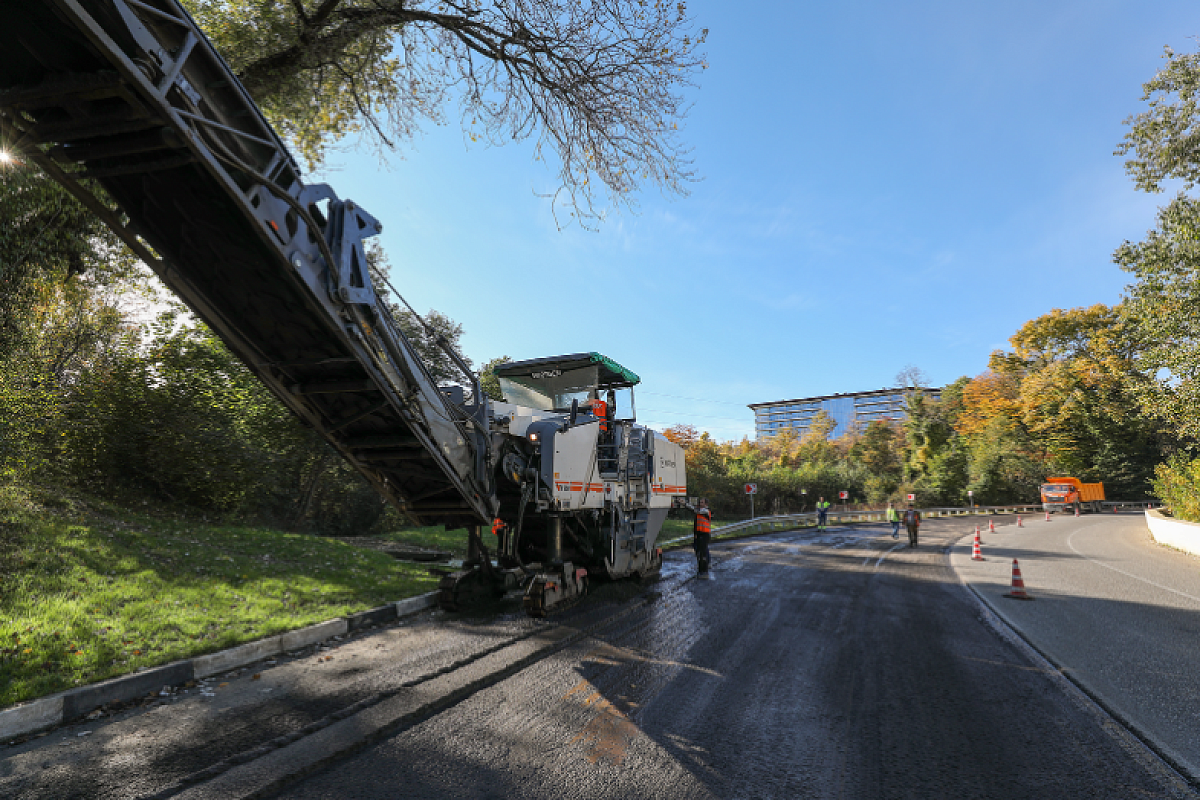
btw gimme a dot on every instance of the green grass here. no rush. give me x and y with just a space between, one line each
91 591
436 538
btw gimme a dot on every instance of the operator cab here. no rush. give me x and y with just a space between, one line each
583 383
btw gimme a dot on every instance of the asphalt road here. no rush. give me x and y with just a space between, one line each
829 667
1115 610
804 665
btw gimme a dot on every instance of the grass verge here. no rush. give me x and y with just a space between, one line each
91 591
434 538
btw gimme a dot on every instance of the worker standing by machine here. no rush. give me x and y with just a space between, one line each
701 534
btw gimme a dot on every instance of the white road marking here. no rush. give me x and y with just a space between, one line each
891 549
1071 544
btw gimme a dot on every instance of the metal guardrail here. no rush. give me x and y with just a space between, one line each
788 521
785 522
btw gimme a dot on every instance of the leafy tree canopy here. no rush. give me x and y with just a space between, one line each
599 84
1165 138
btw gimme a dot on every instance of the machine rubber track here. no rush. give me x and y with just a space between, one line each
551 592
467 589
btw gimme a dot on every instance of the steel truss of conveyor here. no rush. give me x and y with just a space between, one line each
130 96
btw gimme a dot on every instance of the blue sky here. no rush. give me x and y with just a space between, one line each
883 184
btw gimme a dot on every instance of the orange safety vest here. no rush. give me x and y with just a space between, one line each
497 526
600 410
703 522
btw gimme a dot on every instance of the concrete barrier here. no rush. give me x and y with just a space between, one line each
1174 532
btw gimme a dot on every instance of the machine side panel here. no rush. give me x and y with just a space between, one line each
670 473
577 482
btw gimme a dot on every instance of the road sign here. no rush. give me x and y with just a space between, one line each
751 488
844 495
912 497
970 492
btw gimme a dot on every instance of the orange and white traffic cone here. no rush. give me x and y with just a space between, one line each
1018 584
1019 523
1114 509
991 526
1077 511
1047 516
976 553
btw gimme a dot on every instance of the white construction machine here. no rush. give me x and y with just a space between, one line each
584 489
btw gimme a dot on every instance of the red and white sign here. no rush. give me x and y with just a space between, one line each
912 497
751 488
844 495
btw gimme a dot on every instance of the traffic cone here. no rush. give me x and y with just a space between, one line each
991 526
1018 584
1077 511
1047 516
976 554
1019 523
1114 509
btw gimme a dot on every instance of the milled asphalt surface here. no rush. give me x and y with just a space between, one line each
805 665
1116 611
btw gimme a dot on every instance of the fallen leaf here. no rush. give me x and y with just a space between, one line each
255 676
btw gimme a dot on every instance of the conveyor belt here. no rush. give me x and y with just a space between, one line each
130 95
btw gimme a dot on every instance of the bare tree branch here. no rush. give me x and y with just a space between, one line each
599 83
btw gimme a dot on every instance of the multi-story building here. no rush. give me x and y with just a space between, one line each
846 410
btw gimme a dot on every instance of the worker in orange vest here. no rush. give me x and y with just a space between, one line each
701 534
498 528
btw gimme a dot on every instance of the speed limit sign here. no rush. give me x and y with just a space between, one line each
844 495
912 497
751 488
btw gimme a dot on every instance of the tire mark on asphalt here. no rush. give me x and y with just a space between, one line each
886 553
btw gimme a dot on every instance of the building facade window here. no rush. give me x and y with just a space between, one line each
846 410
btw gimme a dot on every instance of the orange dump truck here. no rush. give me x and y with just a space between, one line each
1062 494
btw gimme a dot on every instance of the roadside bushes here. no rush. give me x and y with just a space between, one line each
165 413
1177 484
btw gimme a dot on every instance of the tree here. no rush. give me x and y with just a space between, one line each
46 239
1165 138
1076 370
1162 309
488 380
912 377
877 449
599 83
683 435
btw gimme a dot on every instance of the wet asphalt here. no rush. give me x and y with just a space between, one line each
834 665
822 666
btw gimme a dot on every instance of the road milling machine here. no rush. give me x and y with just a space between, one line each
129 107
583 490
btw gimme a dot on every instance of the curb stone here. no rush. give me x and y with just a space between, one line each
49 712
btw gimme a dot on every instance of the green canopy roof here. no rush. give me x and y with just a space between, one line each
612 374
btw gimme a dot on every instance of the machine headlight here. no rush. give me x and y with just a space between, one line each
535 437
